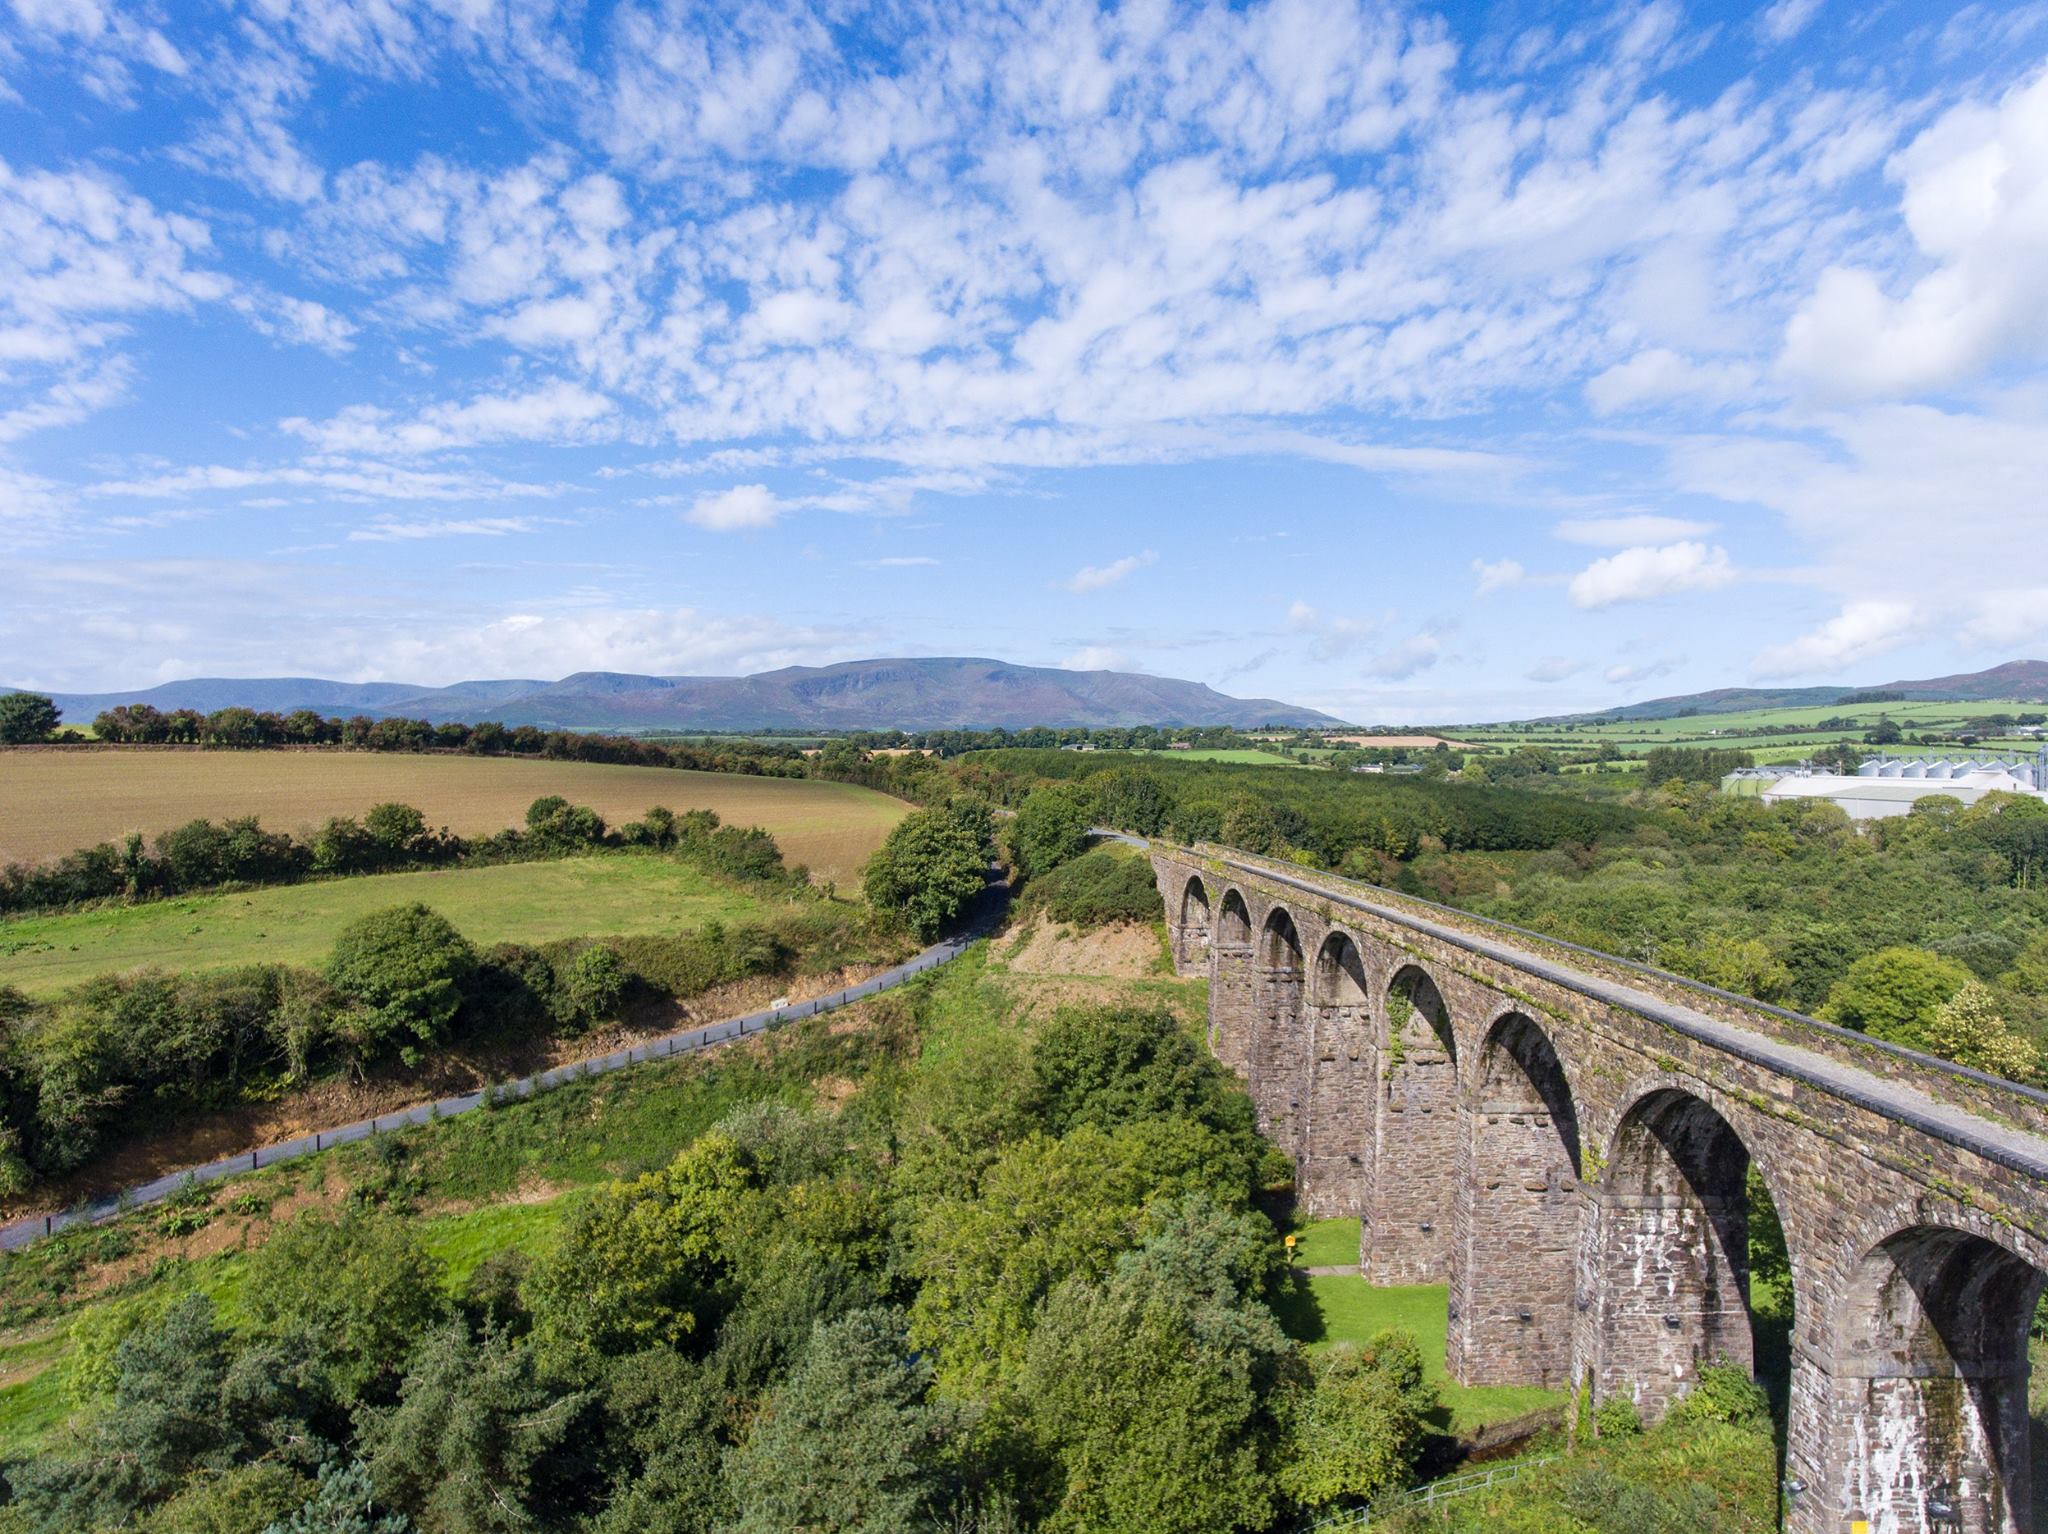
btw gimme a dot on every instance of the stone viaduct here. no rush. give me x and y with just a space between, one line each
1567 1140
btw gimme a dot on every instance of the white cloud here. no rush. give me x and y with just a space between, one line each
1412 656
363 480
2009 619
1626 531
1658 375
1098 657
1860 630
1333 636
1096 577
742 507
1640 574
1784 20
900 562
296 617
1554 668
561 411
1497 575
451 527
1626 673
1975 202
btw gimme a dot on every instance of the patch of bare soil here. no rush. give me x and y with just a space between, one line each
1125 951
202 1137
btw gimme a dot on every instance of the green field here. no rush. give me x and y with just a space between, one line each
1773 733
610 894
54 801
1327 1308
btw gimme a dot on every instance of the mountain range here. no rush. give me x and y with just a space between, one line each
2023 681
923 693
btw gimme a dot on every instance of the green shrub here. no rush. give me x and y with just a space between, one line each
1617 1417
590 988
1102 886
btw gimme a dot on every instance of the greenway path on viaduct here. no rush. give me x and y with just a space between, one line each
1567 1140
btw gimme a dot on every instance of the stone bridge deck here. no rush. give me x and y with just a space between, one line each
1574 1143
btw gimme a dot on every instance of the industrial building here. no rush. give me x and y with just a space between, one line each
1887 786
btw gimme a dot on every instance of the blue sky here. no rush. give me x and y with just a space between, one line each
1420 363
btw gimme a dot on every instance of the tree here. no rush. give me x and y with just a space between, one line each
646 1263
477 1442
1152 1396
931 868
404 968
1894 993
1110 1066
1051 828
360 1288
1968 1029
343 1504
26 718
1358 1431
849 1442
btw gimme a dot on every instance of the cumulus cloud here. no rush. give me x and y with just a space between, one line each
1860 630
1642 573
1096 577
1975 201
741 508
1498 574
1554 668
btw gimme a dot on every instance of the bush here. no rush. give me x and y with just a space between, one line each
1102 886
1723 1393
1617 1417
404 968
590 988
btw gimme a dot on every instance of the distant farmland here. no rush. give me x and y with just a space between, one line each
53 801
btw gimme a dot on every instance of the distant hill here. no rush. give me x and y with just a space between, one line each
923 693
2024 681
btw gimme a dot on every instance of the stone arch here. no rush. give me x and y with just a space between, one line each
1518 1213
1337 1112
1664 1263
1407 1238
1280 1046
1232 1000
1191 933
1928 1392
1234 921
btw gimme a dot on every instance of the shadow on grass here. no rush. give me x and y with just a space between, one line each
1300 1312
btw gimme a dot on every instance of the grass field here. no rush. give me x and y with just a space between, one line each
54 801
612 894
1741 731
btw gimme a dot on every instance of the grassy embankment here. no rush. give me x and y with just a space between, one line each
609 894
54 801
